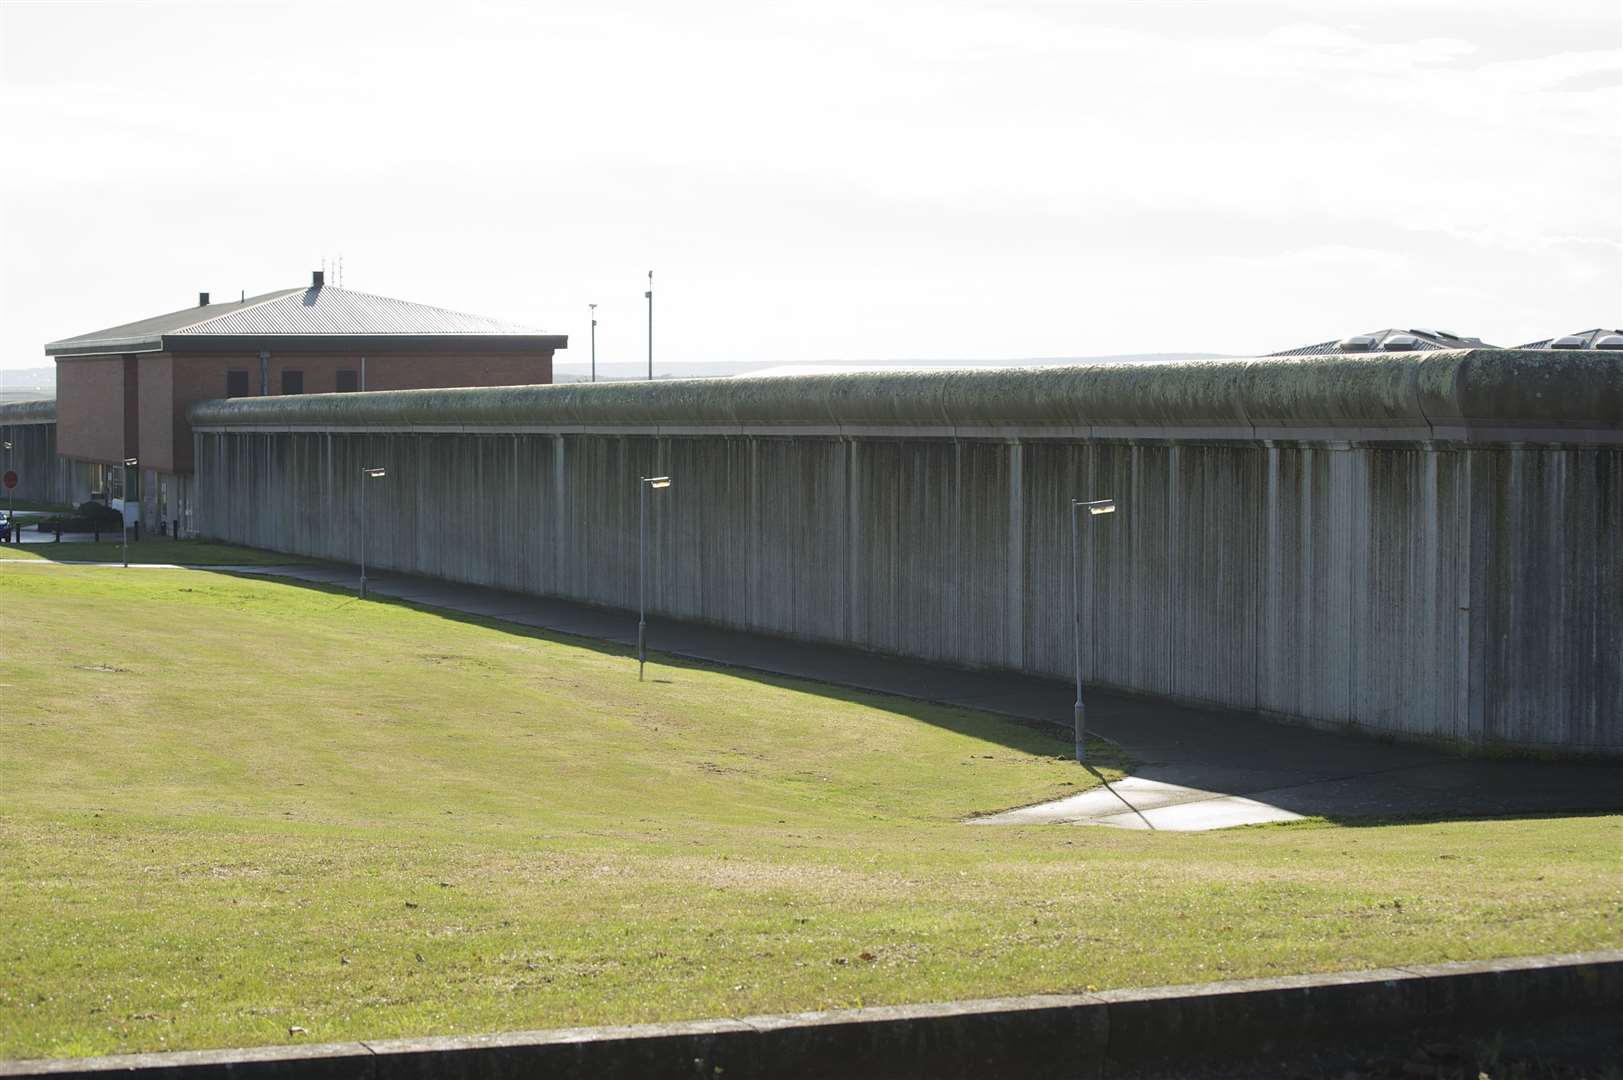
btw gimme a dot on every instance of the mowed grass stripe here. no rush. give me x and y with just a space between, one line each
229 807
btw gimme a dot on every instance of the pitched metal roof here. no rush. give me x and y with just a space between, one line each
1581 339
145 334
1389 340
314 313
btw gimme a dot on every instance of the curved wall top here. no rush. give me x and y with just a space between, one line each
29 412
1488 395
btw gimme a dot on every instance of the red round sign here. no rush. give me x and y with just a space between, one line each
11 480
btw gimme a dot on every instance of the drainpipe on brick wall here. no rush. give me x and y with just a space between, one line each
264 372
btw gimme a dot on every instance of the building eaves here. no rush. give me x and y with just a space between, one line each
146 335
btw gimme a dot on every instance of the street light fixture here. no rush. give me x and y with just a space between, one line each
124 509
658 483
367 473
1094 507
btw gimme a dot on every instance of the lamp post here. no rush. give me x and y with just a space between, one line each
367 473
650 296
1094 507
594 341
658 483
124 509
11 502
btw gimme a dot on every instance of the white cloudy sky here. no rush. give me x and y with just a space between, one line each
830 179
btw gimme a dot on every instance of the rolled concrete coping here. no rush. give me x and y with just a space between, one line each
1048 1035
1466 394
28 412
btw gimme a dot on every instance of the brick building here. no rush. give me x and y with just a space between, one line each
122 392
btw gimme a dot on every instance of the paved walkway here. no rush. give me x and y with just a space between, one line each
1194 768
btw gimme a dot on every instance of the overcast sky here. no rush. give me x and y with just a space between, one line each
831 179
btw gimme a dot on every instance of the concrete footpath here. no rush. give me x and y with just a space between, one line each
1193 768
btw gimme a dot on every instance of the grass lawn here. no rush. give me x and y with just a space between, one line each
232 807
146 552
31 505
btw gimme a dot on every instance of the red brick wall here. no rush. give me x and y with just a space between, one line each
200 377
91 409
156 424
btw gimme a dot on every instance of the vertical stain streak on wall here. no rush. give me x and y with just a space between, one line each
1329 583
1011 598
42 476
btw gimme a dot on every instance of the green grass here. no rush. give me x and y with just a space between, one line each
34 506
232 807
147 552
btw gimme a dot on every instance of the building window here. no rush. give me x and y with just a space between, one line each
236 384
292 381
347 382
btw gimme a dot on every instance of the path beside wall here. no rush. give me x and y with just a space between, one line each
1427 545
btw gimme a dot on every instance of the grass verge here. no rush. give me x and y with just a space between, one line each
231 808
147 553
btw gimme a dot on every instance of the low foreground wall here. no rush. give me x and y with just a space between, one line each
1427 545
30 428
1292 1025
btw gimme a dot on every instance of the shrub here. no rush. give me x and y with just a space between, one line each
98 515
88 517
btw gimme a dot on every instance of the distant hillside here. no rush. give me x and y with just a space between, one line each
571 370
27 384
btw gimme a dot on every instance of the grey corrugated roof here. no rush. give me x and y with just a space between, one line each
1425 341
146 333
1323 348
1589 338
331 310
325 311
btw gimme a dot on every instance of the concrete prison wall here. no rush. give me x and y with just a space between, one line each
30 428
1426 545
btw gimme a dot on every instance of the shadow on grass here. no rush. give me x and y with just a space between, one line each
1337 777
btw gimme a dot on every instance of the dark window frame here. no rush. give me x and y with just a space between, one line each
353 380
297 375
239 377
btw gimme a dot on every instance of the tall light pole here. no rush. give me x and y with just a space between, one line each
11 502
1094 507
594 341
124 510
658 483
367 473
650 295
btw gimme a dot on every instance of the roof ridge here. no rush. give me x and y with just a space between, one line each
269 298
